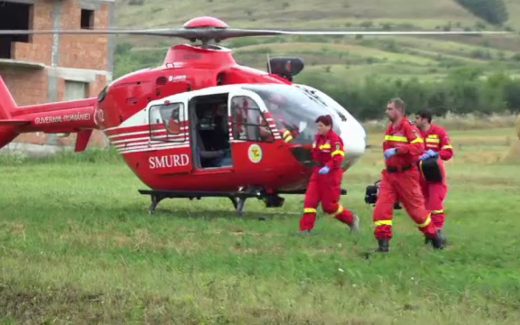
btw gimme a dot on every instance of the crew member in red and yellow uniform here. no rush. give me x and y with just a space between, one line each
325 182
438 146
400 179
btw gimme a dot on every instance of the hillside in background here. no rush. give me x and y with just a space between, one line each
340 60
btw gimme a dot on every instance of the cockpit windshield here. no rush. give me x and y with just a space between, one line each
294 110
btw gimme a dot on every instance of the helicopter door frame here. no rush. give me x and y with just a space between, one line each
194 139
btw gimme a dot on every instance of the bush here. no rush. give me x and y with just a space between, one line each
466 90
462 92
456 122
493 11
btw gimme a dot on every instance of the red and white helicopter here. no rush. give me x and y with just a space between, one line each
202 125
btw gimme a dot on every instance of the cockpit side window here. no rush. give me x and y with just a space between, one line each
311 93
249 123
294 111
169 118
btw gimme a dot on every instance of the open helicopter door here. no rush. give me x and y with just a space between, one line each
209 132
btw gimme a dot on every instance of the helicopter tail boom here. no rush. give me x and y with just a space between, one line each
8 126
77 116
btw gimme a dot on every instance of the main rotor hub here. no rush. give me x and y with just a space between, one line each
205 22
208 26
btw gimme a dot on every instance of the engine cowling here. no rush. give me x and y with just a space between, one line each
285 67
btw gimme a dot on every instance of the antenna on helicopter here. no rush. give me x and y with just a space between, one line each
268 63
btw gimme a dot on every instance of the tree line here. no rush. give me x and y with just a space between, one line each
464 90
493 11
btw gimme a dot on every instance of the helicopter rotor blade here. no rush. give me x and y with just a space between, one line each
225 33
179 32
187 33
248 32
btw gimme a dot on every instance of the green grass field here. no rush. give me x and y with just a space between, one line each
250 13
348 58
78 246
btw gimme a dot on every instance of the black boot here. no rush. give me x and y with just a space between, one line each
439 240
427 240
383 246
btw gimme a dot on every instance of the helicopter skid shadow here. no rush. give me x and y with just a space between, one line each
238 200
210 214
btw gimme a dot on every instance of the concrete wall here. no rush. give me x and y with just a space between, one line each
85 58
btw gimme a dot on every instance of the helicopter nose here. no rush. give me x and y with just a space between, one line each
354 138
354 142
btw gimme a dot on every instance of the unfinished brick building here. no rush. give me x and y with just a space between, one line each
48 68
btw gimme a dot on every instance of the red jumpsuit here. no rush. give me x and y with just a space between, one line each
436 139
173 126
325 188
400 181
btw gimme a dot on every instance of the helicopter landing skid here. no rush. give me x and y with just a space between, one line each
272 200
237 198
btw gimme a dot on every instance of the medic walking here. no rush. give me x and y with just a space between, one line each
438 149
325 182
400 179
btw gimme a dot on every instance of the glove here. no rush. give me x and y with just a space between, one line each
324 170
432 153
390 152
428 154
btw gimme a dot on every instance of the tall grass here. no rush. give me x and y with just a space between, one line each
457 122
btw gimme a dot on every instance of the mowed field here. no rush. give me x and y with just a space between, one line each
78 246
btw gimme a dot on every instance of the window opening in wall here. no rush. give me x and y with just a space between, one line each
74 90
14 15
87 19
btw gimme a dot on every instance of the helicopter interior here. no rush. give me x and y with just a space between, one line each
210 131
